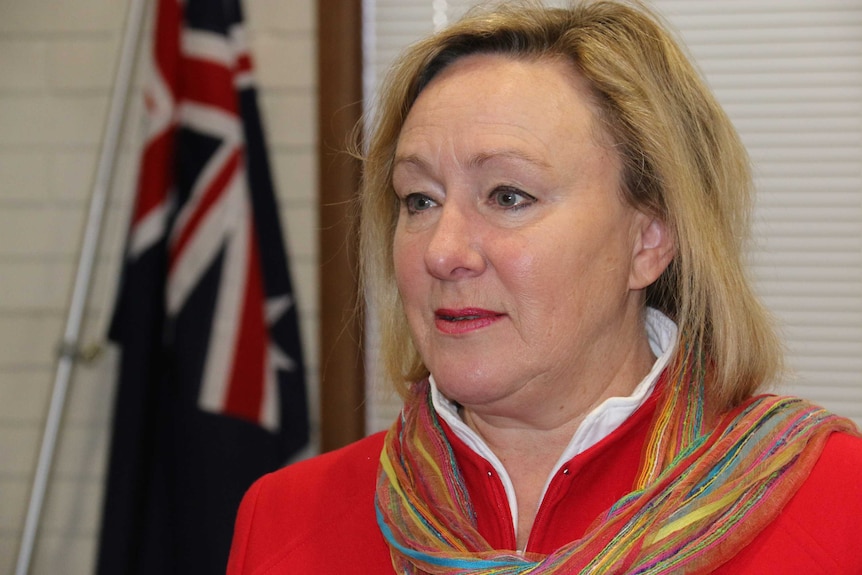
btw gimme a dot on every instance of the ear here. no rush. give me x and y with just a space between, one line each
654 249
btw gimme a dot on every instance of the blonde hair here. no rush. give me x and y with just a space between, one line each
683 163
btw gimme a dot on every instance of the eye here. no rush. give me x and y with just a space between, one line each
507 197
416 203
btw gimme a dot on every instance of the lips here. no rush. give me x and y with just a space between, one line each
457 321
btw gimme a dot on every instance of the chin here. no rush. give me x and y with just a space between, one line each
470 390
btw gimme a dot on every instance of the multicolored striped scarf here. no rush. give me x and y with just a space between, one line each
703 491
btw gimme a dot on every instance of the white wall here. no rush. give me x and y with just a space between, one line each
57 63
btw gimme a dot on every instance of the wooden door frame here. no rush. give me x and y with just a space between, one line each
339 72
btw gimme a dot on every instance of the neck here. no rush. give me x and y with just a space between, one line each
530 440
557 403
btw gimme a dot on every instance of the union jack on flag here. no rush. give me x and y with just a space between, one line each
211 390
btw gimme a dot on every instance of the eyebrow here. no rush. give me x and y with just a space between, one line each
411 160
476 160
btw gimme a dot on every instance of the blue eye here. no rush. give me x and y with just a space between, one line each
416 203
507 197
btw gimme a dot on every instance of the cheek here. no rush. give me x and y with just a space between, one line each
407 261
532 274
568 267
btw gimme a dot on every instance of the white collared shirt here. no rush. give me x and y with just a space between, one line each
598 424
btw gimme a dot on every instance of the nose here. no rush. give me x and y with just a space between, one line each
454 249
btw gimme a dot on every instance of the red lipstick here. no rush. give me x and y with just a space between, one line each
457 321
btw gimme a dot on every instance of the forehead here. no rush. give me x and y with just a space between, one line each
541 104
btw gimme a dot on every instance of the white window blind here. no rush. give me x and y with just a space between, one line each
789 74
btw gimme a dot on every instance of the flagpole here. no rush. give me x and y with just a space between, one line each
83 276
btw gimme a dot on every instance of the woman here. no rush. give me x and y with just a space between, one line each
553 215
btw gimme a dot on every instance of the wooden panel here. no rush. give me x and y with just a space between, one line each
339 109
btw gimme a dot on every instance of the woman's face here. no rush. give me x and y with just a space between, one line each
519 267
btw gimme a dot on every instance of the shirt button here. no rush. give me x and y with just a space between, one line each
490 474
566 471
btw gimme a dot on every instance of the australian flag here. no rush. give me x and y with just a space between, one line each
211 388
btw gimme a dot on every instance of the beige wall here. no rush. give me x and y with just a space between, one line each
57 62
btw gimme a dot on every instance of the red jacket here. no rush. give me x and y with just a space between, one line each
318 516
